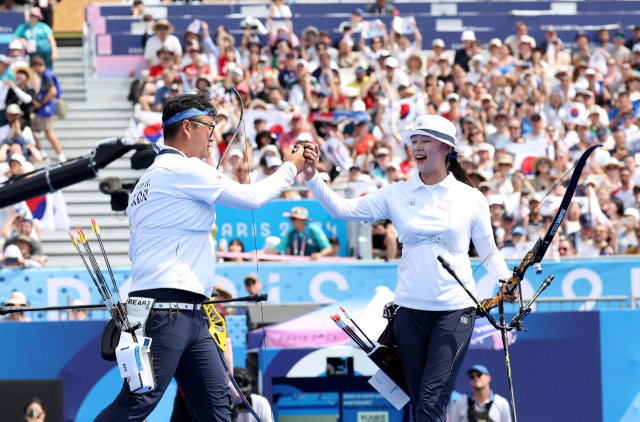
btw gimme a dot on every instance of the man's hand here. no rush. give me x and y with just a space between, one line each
311 161
36 105
315 256
296 158
507 297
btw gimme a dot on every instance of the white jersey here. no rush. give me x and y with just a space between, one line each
172 214
431 220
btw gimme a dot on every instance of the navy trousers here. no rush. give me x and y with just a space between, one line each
183 349
432 346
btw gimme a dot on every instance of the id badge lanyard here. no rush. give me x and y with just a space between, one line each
304 244
32 45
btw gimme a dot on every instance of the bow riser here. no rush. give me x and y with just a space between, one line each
535 255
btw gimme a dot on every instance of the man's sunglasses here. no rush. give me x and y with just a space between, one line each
206 124
475 375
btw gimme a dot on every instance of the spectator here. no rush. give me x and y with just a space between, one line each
402 48
235 246
335 246
22 92
34 412
252 284
380 8
482 403
45 107
635 39
10 6
162 39
137 8
566 249
14 133
464 54
592 247
78 314
37 38
15 54
634 250
304 239
16 299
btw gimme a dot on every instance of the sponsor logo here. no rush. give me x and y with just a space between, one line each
557 223
464 319
411 203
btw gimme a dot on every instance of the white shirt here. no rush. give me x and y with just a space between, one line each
154 44
27 134
430 221
530 137
499 411
171 216
260 406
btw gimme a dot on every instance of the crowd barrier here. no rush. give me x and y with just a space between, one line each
334 281
569 366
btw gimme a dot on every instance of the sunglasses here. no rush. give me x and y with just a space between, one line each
475 375
205 124
513 128
562 249
162 28
598 231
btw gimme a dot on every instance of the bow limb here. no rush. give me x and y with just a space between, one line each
535 255
235 385
235 133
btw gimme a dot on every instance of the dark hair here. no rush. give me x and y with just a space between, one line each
237 242
618 204
458 172
333 240
30 402
37 60
182 102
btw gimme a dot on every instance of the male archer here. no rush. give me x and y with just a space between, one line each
171 215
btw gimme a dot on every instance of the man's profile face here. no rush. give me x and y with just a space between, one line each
201 139
252 286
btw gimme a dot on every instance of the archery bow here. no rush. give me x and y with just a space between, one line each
255 241
535 255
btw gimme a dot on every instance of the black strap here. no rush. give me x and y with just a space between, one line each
170 151
474 416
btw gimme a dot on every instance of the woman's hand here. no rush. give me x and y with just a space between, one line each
311 158
511 298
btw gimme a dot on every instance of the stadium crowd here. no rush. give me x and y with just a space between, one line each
525 110
29 99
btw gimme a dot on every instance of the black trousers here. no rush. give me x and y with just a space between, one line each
432 346
183 349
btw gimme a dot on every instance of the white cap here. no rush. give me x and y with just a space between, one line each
15 45
303 62
633 212
526 39
394 165
12 251
635 48
237 72
271 148
468 35
19 158
495 200
304 137
17 298
14 109
477 58
436 127
273 162
223 112
391 62
324 176
352 91
271 242
358 105
236 153
382 151
437 43
486 147
77 302
590 71
453 96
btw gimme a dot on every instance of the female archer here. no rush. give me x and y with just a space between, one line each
437 213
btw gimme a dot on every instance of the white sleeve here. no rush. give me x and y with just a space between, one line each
491 258
354 209
22 96
252 197
150 48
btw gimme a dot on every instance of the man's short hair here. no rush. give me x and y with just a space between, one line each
37 60
182 102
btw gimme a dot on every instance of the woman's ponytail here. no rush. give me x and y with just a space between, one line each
456 169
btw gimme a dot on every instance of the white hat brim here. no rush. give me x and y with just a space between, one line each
406 135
